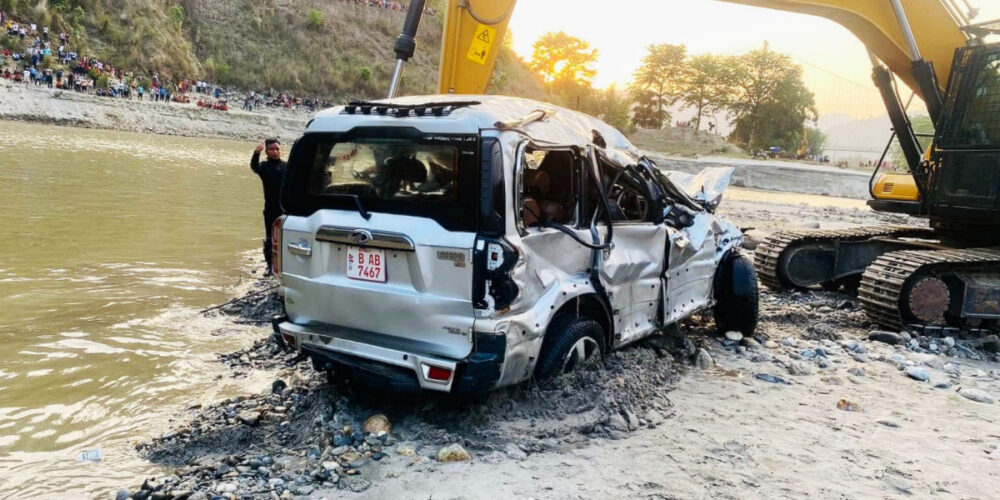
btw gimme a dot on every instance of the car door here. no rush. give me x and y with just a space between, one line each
630 271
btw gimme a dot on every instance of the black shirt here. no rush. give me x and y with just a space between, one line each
271 173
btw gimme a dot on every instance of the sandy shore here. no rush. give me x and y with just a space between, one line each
57 107
808 407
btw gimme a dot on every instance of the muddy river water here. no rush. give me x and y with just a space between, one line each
112 243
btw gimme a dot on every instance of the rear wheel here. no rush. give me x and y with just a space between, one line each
736 294
569 344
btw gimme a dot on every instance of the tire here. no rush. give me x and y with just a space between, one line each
563 335
736 294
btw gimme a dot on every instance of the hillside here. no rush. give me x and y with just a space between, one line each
684 142
337 49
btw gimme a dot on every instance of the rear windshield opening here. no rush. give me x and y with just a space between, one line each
387 170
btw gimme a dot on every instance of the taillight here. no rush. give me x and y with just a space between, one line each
493 287
437 373
276 245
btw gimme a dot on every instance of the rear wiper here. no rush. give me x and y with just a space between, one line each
357 203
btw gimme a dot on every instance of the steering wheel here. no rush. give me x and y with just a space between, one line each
633 206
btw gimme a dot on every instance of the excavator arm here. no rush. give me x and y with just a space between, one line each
935 32
473 34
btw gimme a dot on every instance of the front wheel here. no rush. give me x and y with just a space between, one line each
568 345
736 294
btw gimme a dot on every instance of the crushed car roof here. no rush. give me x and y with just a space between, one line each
472 113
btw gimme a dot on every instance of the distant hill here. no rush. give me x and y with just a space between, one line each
335 48
684 142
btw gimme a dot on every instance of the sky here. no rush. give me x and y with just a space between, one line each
835 63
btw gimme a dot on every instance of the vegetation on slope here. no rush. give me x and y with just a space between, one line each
337 49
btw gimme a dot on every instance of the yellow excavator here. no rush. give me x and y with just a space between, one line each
942 277
946 276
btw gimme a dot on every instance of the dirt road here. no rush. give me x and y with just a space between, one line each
808 407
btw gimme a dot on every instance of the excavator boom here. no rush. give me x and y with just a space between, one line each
875 22
473 34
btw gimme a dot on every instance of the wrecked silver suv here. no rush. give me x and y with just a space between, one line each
462 246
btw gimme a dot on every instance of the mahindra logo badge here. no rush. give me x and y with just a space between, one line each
360 236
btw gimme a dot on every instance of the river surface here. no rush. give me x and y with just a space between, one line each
112 242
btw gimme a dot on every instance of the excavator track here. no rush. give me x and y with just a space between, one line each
767 258
886 279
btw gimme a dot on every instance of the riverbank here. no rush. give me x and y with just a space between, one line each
19 102
812 405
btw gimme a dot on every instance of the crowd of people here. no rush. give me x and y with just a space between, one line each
48 62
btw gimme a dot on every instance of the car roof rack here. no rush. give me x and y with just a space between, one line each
405 110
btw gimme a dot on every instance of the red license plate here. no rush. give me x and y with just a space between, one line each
366 264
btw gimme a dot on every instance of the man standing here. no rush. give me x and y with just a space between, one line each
271 172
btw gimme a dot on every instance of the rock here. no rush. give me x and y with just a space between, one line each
824 330
275 483
168 435
790 342
767 377
846 405
918 373
377 424
286 495
406 451
948 341
889 423
249 417
303 489
278 386
223 470
226 487
798 368
753 238
340 439
454 453
704 360
734 336
340 450
198 495
943 384
860 358
808 353
884 337
770 344
122 495
359 485
515 453
989 343
632 420
846 304
618 422
823 362
833 380
977 395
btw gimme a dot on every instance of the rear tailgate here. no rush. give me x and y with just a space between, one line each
419 298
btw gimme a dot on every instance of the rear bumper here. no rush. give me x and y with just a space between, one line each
399 369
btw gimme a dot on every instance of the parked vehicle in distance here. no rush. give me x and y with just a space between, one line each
464 245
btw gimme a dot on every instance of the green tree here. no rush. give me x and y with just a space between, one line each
771 102
709 85
566 65
614 108
657 84
815 140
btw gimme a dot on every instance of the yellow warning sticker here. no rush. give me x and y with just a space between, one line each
479 50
